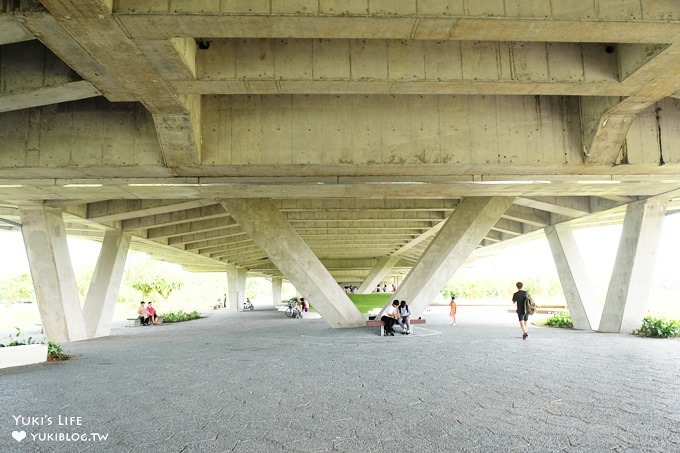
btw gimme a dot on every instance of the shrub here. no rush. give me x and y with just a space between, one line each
658 327
54 352
560 319
181 316
15 339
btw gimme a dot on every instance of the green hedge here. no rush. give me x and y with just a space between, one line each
658 327
180 316
560 319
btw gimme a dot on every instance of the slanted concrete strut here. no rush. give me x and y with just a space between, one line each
576 283
286 249
457 239
52 272
628 290
100 302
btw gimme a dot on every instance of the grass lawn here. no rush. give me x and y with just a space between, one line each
367 302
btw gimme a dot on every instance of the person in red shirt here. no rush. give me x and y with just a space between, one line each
151 313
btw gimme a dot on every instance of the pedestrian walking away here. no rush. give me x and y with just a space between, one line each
520 298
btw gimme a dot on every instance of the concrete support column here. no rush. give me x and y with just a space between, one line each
100 302
235 288
628 290
242 276
277 284
52 272
379 271
576 283
289 253
457 239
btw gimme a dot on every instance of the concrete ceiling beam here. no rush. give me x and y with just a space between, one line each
12 30
350 204
564 206
214 211
652 71
190 238
181 229
177 117
581 25
115 210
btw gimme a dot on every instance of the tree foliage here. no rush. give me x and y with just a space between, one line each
165 287
144 287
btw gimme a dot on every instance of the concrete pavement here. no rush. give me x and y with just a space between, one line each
259 382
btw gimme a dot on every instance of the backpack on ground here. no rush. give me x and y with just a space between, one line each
529 305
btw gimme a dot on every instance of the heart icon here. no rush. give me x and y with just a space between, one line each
19 435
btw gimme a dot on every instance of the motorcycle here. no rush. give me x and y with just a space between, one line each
248 305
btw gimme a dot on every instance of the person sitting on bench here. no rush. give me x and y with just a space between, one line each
389 317
151 313
143 315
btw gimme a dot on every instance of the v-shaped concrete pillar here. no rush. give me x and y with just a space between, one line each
100 302
53 279
286 249
628 290
379 271
576 283
457 239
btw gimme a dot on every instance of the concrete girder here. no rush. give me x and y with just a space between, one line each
182 229
368 224
116 210
229 231
629 286
456 240
391 134
240 255
235 239
528 216
70 91
351 204
33 76
237 66
221 251
102 294
49 32
364 216
563 206
605 134
509 227
269 229
213 211
409 20
11 30
177 118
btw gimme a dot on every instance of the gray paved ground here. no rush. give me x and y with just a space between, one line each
258 382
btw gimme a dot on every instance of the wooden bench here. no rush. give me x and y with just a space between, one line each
378 322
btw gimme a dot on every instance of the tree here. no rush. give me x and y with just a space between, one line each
164 287
144 287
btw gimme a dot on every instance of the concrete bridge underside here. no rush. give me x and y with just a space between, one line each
327 142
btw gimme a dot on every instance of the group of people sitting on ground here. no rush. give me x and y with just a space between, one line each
397 313
147 314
